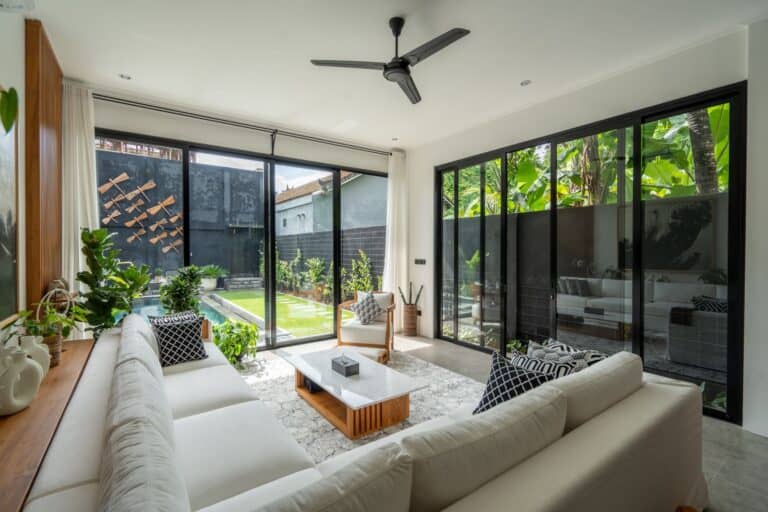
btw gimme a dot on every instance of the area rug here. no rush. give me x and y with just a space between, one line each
273 381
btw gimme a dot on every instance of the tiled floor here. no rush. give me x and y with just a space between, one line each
735 461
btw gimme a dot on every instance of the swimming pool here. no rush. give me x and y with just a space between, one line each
150 306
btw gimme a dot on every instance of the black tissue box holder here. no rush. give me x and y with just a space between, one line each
345 366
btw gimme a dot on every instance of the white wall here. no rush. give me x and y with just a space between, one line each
716 63
148 122
756 293
12 75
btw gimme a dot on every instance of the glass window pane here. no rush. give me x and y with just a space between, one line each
685 248
226 239
141 202
594 227
363 232
527 251
304 236
491 321
470 285
447 298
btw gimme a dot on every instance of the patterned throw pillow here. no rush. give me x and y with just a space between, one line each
506 382
591 356
553 368
537 351
367 309
711 304
178 338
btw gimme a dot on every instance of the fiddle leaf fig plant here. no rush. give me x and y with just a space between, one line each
9 108
112 284
182 292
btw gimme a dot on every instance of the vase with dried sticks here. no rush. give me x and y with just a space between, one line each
410 309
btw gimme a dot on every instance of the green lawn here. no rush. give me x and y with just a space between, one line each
300 317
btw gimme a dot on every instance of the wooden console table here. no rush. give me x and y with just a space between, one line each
26 435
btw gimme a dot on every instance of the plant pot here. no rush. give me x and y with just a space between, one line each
54 348
318 292
410 312
208 283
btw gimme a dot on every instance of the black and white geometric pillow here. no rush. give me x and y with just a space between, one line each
554 368
506 382
591 356
179 339
367 309
537 351
169 319
711 304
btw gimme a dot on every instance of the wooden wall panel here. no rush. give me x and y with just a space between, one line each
43 161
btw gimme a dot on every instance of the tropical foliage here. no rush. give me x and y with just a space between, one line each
182 292
236 339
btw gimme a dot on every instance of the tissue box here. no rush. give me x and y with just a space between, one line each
345 366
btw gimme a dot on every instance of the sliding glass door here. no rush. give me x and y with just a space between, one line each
304 252
627 234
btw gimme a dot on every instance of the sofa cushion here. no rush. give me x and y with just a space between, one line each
590 356
617 288
354 331
612 305
139 471
137 324
70 499
134 347
215 358
507 381
227 451
205 389
662 309
591 391
80 434
257 497
380 481
179 339
137 395
571 301
450 462
538 351
383 299
366 309
555 368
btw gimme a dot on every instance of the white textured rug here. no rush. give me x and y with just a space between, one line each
273 380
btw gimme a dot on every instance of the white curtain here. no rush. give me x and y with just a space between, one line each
79 201
396 246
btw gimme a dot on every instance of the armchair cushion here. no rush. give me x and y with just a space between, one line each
374 333
383 299
366 310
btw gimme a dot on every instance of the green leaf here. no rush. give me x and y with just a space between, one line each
9 108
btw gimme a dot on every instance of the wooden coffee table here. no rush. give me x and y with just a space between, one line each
376 398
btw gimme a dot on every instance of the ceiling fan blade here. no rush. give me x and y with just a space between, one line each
435 45
357 64
408 86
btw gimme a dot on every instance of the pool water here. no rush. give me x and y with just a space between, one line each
150 306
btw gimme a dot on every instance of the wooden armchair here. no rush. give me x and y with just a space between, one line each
376 339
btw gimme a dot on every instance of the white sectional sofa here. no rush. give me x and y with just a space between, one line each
606 438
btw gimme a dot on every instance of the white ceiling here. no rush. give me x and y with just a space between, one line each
250 58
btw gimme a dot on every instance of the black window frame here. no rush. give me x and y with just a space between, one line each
736 95
270 163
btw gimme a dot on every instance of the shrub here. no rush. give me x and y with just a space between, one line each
213 272
181 293
236 340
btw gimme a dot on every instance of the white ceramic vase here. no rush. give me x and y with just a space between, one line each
20 379
37 350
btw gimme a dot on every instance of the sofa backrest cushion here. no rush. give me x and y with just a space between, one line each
451 461
379 481
681 292
617 288
139 471
136 324
133 347
137 395
595 389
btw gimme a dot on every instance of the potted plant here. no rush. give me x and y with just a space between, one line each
159 276
51 325
236 340
112 285
182 293
317 277
210 276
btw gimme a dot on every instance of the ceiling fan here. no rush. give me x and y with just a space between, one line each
398 69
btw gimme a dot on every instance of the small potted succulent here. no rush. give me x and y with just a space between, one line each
236 340
210 276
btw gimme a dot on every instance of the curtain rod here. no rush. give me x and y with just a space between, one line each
239 124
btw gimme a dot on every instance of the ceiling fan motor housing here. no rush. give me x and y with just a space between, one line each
395 69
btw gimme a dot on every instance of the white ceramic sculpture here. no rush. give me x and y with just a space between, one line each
37 350
20 379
